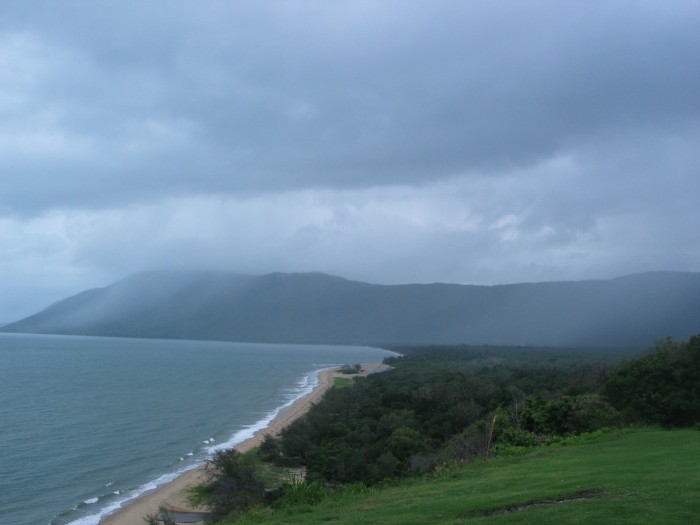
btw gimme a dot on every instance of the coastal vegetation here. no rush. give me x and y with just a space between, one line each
661 387
619 477
235 485
490 431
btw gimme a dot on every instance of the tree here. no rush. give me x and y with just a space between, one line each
661 387
269 448
234 485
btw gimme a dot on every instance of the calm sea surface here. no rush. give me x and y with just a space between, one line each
88 423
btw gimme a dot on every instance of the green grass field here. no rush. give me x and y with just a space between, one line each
342 382
644 476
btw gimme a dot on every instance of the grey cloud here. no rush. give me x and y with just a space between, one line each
180 97
392 141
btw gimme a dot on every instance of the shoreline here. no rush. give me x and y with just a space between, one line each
170 495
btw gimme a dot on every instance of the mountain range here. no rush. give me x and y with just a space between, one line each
629 311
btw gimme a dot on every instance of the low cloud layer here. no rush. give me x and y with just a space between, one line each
387 141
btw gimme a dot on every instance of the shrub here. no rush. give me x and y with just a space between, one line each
297 493
234 485
662 387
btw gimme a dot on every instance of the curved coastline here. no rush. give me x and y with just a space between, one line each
170 494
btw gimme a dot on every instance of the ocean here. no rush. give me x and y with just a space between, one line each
88 423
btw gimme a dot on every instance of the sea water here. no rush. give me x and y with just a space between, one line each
88 423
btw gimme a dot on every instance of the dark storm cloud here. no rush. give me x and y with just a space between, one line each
389 141
110 103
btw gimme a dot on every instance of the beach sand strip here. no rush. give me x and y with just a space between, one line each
172 495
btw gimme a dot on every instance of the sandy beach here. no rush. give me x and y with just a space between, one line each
171 495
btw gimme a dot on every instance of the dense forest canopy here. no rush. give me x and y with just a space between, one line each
441 405
661 387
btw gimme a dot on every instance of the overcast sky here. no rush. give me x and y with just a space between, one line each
391 142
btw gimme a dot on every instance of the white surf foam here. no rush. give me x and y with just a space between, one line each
304 387
94 519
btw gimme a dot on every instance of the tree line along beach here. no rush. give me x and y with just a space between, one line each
173 495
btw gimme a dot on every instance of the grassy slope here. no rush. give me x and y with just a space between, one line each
649 476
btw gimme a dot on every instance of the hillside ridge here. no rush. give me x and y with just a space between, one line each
320 308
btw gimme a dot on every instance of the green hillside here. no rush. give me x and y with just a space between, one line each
485 435
644 476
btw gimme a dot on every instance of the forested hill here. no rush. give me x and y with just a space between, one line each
628 311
